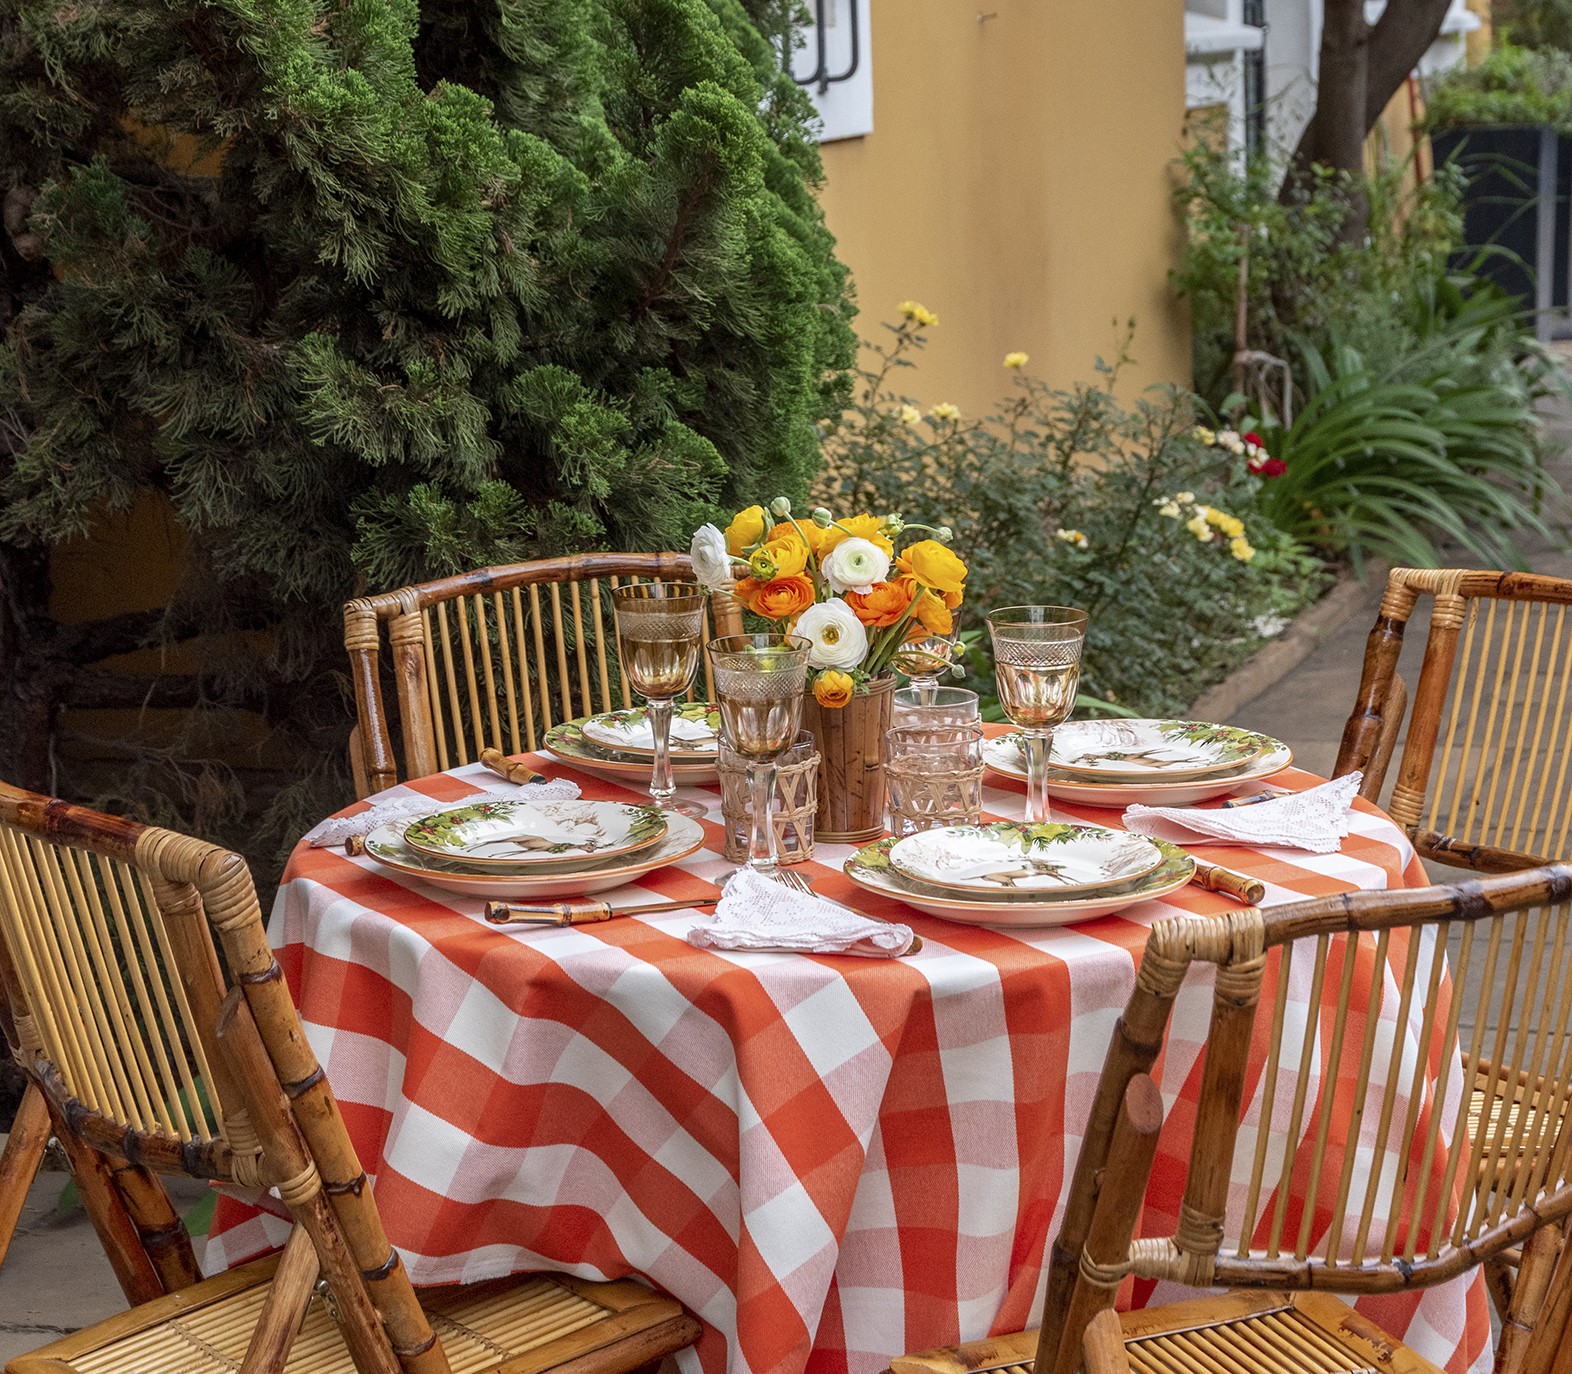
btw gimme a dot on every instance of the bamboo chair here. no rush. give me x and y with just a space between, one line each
1372 1231
1482 780
159 1050
489 659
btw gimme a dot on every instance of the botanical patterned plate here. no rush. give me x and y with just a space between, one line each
568 742
386 845
870 869
513 832
1008 856
695 730
1161 750
1003 755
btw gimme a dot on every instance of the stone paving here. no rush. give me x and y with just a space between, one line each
56 1279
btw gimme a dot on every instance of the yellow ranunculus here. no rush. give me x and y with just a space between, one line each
778 558
928 611
832 689
746 529
935 566
787 532
869 527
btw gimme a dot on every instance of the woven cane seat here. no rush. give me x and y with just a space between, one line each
1286 1333
529 1323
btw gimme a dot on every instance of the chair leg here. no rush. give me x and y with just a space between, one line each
1529 1293
293 1282
24 1149
158 1225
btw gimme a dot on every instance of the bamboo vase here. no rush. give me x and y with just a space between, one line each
851 763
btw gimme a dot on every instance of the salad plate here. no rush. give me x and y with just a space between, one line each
1009 856
1117 750
513 831
386 845
695 730
1003 755
871 870
569 743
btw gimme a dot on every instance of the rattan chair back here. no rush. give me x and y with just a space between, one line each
159 1047
1483 778
1271 1199
492 658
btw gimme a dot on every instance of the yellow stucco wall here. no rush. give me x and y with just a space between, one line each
1018 183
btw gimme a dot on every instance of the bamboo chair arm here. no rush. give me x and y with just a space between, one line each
1393 706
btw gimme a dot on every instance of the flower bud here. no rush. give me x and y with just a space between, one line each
945 534
822 518
893 525
780 507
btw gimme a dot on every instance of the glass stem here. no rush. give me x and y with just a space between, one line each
1036 743
662 788
927 689
761 845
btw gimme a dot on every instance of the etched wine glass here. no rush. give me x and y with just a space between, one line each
1037 665
924 660
660 629
759 681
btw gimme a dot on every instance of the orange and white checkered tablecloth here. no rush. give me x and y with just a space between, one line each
830 1160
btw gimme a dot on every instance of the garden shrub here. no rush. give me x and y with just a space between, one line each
1512 85
1069 497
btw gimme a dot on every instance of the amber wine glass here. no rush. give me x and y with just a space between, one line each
660 628
1037 665
924 660
759 682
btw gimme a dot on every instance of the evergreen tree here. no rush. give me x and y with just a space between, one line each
371 292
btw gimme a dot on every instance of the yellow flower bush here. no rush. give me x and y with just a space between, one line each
1016 360
945 411
918 314
910 415
1240 547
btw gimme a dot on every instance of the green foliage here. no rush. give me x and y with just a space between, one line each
1534 23
376 292
1513 85
1303 282
1171 610
1445 444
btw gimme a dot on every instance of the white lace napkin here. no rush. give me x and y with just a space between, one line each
1316 819
758 913
410 807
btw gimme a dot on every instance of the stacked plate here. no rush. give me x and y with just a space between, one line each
519 848
620 744
1155 762
1007 873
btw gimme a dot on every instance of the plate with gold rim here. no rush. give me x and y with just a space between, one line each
695 731
1012 856
1124 750
386 846
511 831
568 742
870 869
1003 755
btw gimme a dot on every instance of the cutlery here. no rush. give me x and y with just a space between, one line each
579 913
495 761
1231 884
1254 798
797 883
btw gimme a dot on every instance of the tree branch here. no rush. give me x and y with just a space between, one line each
1397 42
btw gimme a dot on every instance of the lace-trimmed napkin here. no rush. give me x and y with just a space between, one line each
1316 819
757 913
412 808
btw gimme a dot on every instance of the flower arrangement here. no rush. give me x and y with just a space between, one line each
842 584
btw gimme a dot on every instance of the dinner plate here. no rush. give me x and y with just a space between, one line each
870 869
1118 750
695 730
568 742
516 831
1003 755
1009 856
386 845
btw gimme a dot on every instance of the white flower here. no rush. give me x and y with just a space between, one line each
839 639
1169 508
854 565
711 561
1071 537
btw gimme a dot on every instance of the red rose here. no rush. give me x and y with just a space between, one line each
1273 467
1253 438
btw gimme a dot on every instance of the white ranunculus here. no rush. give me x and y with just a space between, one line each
711 561
839 639
854 565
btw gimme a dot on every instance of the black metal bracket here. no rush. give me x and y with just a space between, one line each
821 76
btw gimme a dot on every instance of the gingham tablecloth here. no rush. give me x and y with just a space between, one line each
830 1160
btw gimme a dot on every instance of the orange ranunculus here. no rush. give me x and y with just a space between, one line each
869 527
930 615
935 566
783 598
882 606
832 689
799 531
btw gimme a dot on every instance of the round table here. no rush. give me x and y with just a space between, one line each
830 1160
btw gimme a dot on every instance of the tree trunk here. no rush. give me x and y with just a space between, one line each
1361 69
